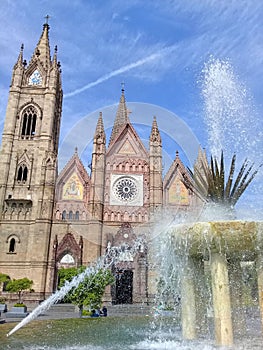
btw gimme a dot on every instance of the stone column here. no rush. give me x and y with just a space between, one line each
260 285
238 316
201 298
188 303
221 300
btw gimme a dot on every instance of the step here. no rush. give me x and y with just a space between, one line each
62 308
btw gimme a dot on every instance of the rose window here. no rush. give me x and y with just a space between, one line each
125 189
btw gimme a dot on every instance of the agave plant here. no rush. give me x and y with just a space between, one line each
211 185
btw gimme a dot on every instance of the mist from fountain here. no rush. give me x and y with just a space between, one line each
231 120
189 253
233 125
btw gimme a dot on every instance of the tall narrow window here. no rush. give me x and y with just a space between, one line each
22 173
64 213
12 245
77 215
29 120
70 215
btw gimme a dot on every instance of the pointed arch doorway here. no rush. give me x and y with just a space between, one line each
68 253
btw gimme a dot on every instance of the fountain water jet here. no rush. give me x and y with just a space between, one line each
104 262
216 242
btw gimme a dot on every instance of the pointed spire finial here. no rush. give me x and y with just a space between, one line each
46 25
54 61
76 150
122 117
155 133
42 50
122 87
19 62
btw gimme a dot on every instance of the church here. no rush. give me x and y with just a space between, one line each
50 220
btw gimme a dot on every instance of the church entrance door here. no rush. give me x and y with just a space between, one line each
124 282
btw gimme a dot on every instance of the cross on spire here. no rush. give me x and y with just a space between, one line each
47 17
122 86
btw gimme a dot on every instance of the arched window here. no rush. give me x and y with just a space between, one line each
70 215
29 120
67 259
77 215
12 245
22 173
64 213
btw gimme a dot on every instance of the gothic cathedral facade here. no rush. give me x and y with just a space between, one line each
50 220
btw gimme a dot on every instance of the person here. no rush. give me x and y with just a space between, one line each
104 311
94 314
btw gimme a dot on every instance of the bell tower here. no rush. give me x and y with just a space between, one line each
28 164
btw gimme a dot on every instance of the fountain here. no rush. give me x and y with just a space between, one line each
200 264
216 245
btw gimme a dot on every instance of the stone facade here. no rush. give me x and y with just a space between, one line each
50 221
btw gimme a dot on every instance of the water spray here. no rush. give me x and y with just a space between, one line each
104 262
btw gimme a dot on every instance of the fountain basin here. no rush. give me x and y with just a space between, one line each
239 238
224 245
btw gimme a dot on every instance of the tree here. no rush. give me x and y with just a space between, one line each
89 292
4 278
19 286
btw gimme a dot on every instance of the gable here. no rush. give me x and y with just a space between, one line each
127 148
128 143
73 182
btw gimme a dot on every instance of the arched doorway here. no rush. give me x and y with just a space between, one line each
123 286
68 253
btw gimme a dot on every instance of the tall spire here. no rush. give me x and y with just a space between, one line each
100 127
54 60
155 133
122 117
19 61
99 140
42 50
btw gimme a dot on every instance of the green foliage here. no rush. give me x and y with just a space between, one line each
86 313
19 286
89 293
19 305
211 185
4 278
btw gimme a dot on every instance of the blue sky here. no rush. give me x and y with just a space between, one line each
158 48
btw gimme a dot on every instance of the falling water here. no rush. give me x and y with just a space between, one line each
231 119
105 262
233 125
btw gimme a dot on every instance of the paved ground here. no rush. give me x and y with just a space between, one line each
62 311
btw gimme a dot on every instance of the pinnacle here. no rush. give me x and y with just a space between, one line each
122 117
42 50
155 134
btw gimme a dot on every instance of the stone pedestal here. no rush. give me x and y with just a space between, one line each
238 314
188 303
260 286
221 300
